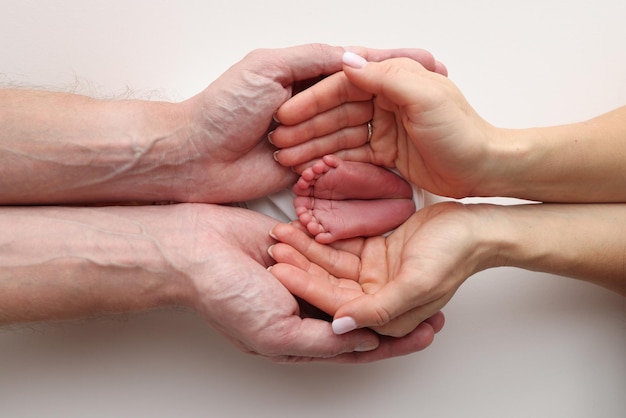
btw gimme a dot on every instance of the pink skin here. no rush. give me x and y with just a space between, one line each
339 199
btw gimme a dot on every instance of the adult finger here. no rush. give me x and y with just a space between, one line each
340 263
313 149
327 94
408 321
313 60
403 81
318 124
380 308
300 339
313 340
425 58
417 340
316 287
307 61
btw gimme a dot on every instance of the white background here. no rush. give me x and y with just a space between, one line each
516 344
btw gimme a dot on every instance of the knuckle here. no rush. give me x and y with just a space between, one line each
394 329
382 316
268 345
257 54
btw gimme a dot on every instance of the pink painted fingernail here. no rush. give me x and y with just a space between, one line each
353 60
343 325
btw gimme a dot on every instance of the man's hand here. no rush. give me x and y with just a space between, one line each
212 148
239 297
230 120
213 259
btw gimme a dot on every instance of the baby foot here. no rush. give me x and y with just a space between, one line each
339 199
335 179
333 220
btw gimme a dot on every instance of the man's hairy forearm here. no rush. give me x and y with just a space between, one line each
58 147
64 263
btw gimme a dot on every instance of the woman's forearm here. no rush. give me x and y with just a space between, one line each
582 241
62 263
581 162
61 148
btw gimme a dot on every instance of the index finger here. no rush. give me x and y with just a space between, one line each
304 62
323 96
307 61
339 263
313 340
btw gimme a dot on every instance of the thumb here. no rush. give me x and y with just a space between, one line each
373 310
401 80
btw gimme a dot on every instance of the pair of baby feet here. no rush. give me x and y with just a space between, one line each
337 199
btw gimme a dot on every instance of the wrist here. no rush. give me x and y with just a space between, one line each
496 240
507 156
583 241
165 257
160 152
518 235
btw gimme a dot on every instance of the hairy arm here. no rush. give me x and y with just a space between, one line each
65 263
61 147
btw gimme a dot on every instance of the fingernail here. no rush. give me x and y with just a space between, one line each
275 118
353 60
269 137
367 346
272 235
343 325
269 251
275 155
